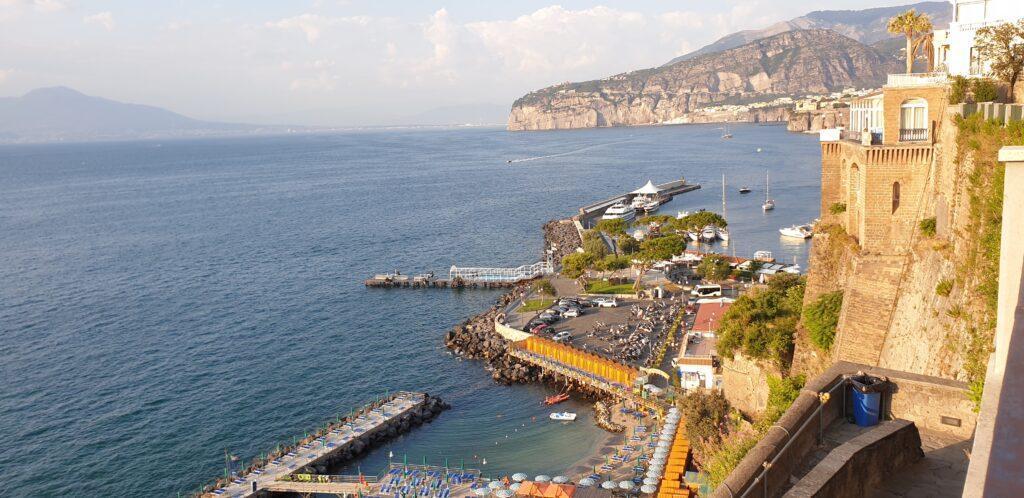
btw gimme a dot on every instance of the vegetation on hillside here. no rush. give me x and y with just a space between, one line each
821 317
837 208
761 324
979 271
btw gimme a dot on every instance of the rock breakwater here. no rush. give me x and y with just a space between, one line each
563 237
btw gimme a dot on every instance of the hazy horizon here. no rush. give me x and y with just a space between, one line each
348 63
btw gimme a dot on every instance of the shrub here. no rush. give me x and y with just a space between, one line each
704 413
944 287
781 394
958 90
821 318
927 226
726 456
576 263
714 268
627 244
984 90
612 227
544 287
837 208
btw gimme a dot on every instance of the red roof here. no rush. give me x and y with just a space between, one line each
709 315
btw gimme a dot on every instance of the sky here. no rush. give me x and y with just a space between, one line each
344 62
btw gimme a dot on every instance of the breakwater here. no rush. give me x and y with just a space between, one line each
562 237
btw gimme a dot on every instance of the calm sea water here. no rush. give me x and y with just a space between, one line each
161 302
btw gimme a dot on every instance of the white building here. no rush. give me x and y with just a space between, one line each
954 47
696 363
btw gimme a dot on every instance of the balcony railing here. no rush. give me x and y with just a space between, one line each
913 134
917 79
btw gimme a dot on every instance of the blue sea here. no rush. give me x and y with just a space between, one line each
162 302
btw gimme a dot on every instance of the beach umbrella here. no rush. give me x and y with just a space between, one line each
494 484
586 482
514 486
542 478
627 485
664 444
655 469
481 491
608 485
673 410
504 493
560 479
650 480
519 477
657 461
648 488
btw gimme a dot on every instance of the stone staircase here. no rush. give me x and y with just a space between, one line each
868 304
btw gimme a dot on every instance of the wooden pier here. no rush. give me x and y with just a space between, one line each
277 475
392 281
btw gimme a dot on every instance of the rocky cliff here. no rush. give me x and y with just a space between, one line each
790 63
821 119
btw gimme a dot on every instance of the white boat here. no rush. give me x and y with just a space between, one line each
797 231
682 214
723 233
694 236
725 132
709 234
763 256
619 211
769 203
563 416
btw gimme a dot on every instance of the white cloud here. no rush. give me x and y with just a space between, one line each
313 25
104 19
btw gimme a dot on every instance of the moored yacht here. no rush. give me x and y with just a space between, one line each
619 211
723 233
709 234
797 231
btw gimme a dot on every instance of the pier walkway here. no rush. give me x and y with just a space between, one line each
275 476
517 274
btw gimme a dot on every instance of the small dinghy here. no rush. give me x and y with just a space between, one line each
563 416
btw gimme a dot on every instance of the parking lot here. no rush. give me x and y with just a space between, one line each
627 333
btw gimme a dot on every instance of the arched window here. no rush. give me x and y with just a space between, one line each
895 196
914 120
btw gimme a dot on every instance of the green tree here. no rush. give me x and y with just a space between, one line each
612 262
655 218
697 221
573 265
544 287
761 324
1002 46
821 318
616 226
594 244
662 248
915 27
705 414
714 268
627 244
958 90
984 90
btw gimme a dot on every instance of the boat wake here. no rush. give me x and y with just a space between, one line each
571 152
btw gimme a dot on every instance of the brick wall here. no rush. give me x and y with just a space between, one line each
936 96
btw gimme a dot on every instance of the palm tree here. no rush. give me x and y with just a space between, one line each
915 27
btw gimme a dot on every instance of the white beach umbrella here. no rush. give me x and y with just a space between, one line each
653 475
494 484
514 486
504 493
559 479
608 485
658 461
586 482
627 485
542 478
673 410
519 477
650 480
481 491
664 444
648 488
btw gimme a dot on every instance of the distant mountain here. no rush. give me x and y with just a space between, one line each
60 113
789 63
866 26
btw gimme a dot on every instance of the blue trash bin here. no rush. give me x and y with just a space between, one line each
866 407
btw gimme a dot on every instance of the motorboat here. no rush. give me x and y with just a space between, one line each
797 231
744 190
723 233
555 399
619 211
645 204
764 256
563 416
682 214
709 234
725 132
769 203
694 236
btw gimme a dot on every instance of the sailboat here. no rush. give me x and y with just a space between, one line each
769 203
725 132
723 233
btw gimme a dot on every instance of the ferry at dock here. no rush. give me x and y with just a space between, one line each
619 211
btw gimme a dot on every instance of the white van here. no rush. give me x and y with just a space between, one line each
710 290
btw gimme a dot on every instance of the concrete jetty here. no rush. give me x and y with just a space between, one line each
591 213
397 413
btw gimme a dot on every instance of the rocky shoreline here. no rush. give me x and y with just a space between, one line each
563 237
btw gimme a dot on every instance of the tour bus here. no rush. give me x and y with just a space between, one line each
710 290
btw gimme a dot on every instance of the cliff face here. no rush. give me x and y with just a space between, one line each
790 63
809 121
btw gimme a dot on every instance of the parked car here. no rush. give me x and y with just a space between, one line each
568 301
533 324
572 313
607 302
562 336
547 318
538 329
